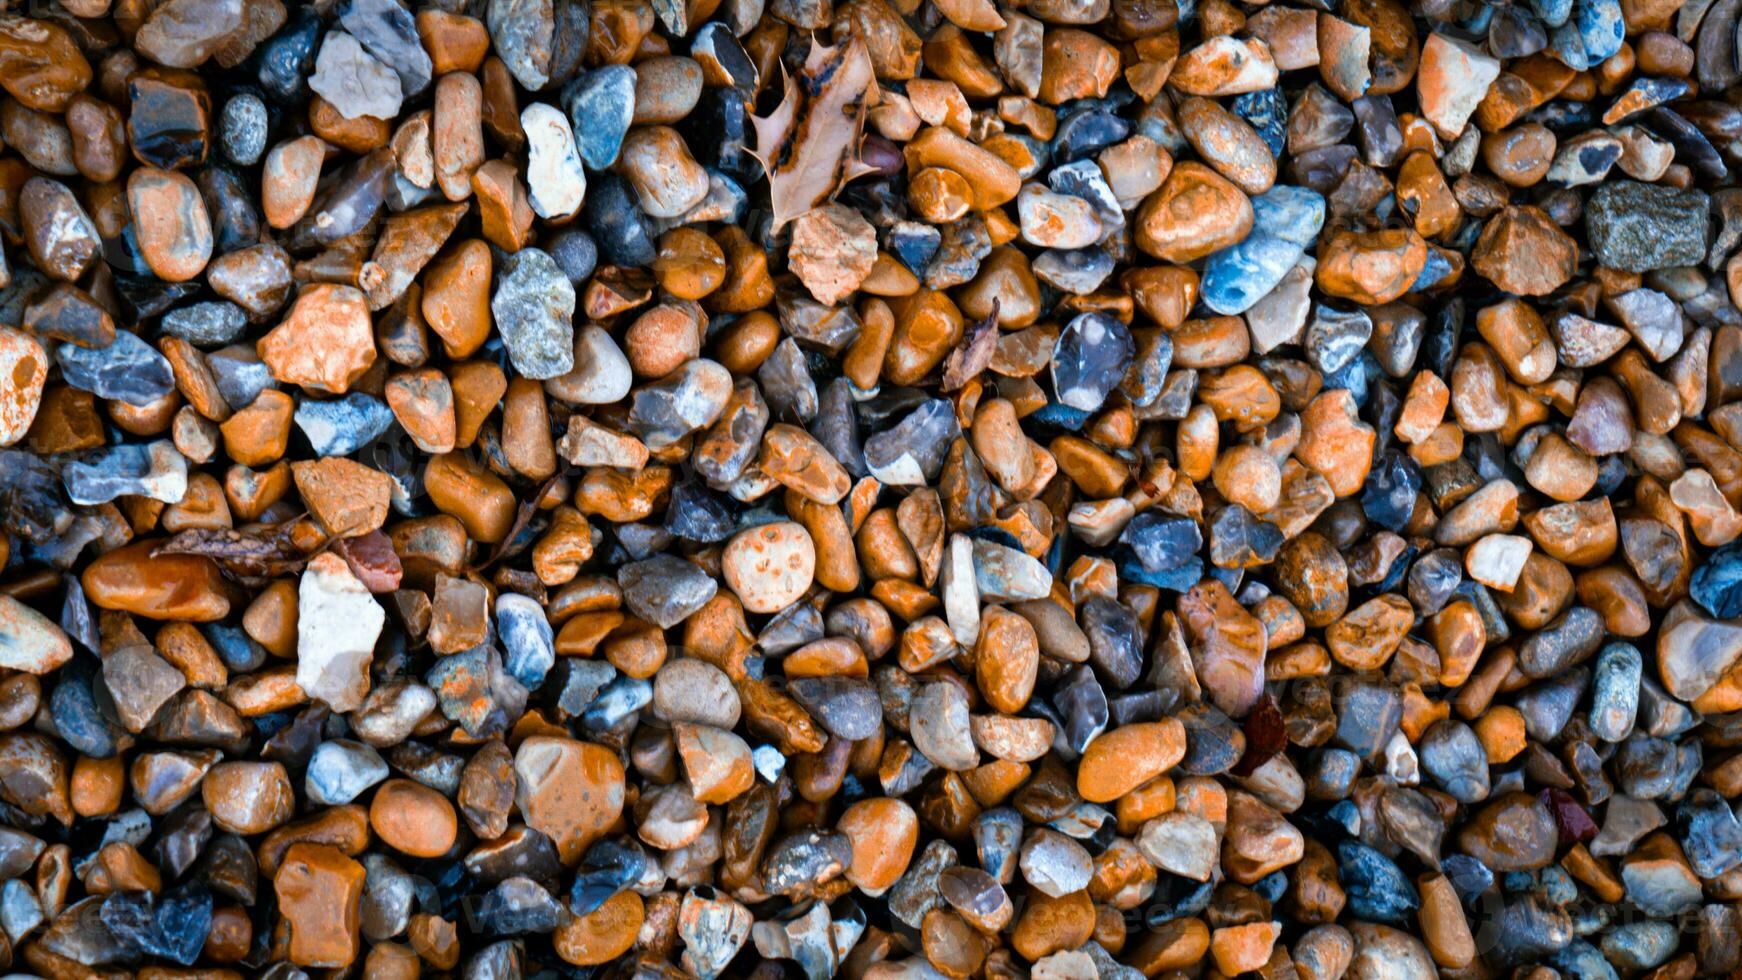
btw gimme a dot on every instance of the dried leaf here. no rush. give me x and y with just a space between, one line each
522 517
809 145
1266 736
974 353
261 555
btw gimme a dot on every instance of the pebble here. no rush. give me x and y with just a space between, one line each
556 183
338 623
532 306
353 80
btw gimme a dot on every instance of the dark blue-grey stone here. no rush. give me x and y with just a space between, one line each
284 62
1267 112
1083 703
238 650
1161 542
341 426
601 105
211 323
1378 890
1087 133
1115 641
913 450
1368 714
242 129
517 906
719 135
77 718
1717 584
128 370
1710 835
616 702
575 254
614 219
913 243
240 373
1090 359
697 513
846 707
527 640
1452 756
172 925
577 682
610 866
1388 498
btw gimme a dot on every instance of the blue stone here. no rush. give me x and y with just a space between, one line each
1553 13
1285 220
172 925
1162 543
1470 878
1087 133
128 369
527 639
1089 360
1579 960
284 62
621 698
1244 273
206 324
77 719
1288 212
914 244
238 650
240 373
1378 890
1388 498
614 218
1601 27
341 426
1062 416
610 866
579 681
339 771
698 514
1717 585
601 105
1180 579
1267 112
718 133
1083 178
1083 704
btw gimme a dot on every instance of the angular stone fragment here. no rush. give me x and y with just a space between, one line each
338 622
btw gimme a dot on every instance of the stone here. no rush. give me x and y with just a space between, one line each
569 790
353 80
1643 227
338 622
532 307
